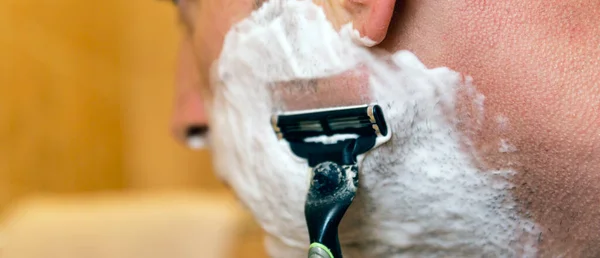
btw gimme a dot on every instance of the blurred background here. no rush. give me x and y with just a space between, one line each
88 167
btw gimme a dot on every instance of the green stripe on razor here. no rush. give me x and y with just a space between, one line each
322 247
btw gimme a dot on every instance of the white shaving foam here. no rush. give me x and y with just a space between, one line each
331 139
358 39
420 195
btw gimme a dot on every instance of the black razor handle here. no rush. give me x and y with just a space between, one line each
331 189
331 193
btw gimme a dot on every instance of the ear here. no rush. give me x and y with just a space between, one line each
371 18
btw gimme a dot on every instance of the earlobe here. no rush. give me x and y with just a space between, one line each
371 18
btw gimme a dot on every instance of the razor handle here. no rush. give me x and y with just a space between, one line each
331 192
332 189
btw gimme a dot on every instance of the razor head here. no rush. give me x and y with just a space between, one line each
362 121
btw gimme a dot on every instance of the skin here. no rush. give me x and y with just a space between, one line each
537 63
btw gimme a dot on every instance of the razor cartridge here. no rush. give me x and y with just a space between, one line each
364 120
331 141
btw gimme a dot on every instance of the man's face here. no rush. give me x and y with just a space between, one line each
537 64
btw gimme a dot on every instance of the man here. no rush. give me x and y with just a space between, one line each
536 62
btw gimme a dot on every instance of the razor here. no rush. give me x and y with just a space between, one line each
331 141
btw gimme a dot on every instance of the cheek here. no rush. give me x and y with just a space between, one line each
537 66
536 62
535 71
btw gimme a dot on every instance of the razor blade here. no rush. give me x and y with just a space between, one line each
362 121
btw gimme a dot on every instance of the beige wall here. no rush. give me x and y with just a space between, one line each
60 105
85 98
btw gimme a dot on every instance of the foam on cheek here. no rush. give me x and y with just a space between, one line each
420 194
331 139
433 193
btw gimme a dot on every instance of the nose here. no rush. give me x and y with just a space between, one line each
189 122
